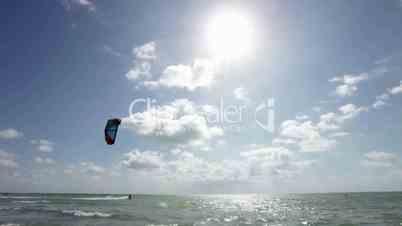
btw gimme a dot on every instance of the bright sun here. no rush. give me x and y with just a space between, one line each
229 35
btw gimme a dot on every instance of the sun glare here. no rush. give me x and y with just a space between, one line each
229 35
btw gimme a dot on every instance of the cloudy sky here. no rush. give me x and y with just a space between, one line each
244 97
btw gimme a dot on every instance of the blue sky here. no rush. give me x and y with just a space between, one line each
333 69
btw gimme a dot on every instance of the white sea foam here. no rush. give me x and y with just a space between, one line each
163 205
10 224
32 202
230 218
80 213
19 197
10 208
103 198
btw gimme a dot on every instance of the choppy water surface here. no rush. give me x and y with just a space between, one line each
110 210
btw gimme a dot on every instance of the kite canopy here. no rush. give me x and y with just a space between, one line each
111 128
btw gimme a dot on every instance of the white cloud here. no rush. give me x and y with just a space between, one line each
383 96
396 90
381 100
143 57
48 161
345 90
201 74
350 111
180 121
379 104
43 145
283 141
111 51
350 79
187 167
316 109
380 156
328 122
147 160
69 170
146 51
274 161
380 159
339 134
10 134
241 93
7 160
302 117
320 136
91 168
348 86
69 4
183 166
307 135
140 71
333 121
317 144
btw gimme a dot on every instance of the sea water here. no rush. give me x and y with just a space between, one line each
162 210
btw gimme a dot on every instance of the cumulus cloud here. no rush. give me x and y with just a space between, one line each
316 109
202 73
381 101
302 117
328 121
350 79
274 161
187 167
348 84
241 93
283 141
333 121
380 159
91 168
396 90
147 160
307 136
70 4
339 134
47 161
10 133
111 51
350 111
180 121
320 136
140 70
7 160
183 166
345 90
143 57
146 51
43 145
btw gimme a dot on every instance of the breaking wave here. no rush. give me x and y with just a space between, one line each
163 205
31 202
19 197
103 198
80 213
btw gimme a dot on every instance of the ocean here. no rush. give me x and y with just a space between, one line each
196 210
